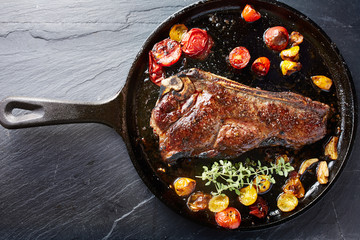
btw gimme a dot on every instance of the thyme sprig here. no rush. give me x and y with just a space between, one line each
227 176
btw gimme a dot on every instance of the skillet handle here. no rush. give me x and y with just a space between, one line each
23 112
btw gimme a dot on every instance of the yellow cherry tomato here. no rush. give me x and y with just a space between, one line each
291 54
322 82
177 32
262 183
289 67
287 202
184 186
248 195
218 203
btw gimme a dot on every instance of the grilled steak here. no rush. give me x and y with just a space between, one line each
204 115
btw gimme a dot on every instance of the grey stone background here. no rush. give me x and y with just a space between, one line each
77 181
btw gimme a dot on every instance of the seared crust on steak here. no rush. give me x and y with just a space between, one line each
205 115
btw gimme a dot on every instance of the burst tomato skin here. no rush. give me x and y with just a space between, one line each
259 209
196 43
166 52
229 218
239 57
261 66
249 14
276 38
156 71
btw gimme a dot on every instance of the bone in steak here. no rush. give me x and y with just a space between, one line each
200 114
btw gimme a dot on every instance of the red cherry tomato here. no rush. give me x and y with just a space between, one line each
276 38
249 14
196 43
261 66
239 57
166 52
156 71
229 218
259 208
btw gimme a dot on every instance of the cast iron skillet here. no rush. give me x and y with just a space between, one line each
129 111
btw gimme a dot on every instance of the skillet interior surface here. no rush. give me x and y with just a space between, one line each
222 20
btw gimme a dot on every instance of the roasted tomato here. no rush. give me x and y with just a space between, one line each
156 72
248 195
229 218
218 203
184 186
276 38
287 202
262 183
198 201
322 82
249 14
284 157
291 54
289 67
293 185
261 66
196 43
177 32
166 52
259 208
296 39
239 57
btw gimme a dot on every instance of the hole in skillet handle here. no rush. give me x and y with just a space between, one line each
20 112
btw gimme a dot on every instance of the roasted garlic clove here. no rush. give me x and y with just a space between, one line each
331 148
296 38
322 82
306 164
289 67
291 54
198 201
322 173
294 186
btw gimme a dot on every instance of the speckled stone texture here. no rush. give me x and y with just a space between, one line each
77 181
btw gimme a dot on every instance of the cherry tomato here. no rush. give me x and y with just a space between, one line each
287 202
177 32
289 67
166 52
259 208
156 72
248 195
229 218
261 66
322 82
249 14
276 38
198 201
184 186
218 203
239 57
196 43
262 182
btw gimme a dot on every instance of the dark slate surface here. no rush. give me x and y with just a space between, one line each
77 181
